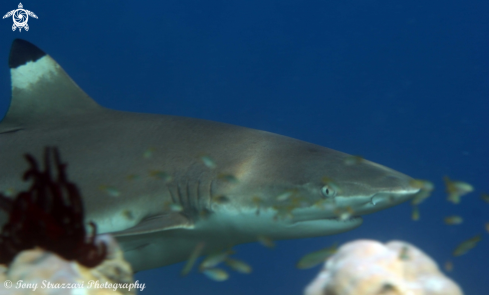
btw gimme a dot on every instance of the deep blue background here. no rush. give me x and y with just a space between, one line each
403 83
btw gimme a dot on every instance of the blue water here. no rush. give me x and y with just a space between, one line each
402 83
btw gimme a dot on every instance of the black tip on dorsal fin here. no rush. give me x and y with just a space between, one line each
22 52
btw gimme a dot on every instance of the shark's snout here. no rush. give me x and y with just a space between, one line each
398 188
385 199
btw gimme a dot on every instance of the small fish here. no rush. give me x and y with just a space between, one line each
285 195
344 213
128 214
193 257
266 241
173 207
300 201
221 199
111 191
422 184
456 189
176 207
148 153
208 162
485 197
465 246
353 160
132 177
283 212
415 213
238 265
404 253
453 220
325 204
161 175
448 265
315 258
214 259
228 177
420 196
425 190
216 274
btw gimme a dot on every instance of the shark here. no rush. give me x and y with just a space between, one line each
164 184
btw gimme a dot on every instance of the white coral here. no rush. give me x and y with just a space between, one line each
367 267
37 267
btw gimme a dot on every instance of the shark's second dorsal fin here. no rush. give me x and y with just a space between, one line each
41 90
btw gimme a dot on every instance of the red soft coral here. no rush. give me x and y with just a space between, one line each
50 216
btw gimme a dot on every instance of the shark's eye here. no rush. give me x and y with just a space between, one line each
328 191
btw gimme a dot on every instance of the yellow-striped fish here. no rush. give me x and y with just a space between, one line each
453 220
214 259
315 258
415 213
266 241
193 257
465 246
216 274
208 161
456 189
238 265
425 190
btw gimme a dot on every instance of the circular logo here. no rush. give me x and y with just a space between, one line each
20 17
7 284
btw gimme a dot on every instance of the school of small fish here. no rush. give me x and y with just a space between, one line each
455 190
285 204
209 264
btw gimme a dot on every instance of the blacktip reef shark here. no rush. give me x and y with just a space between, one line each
164 184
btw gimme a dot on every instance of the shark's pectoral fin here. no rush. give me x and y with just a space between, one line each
157 223
41 90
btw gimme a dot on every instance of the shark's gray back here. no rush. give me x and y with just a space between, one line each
106 150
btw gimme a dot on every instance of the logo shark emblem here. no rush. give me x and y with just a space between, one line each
20 17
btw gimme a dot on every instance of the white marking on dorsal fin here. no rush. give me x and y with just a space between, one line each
41 90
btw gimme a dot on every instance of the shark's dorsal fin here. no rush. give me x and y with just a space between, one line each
157 223
41 90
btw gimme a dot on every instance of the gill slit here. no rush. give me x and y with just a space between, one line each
189 198
172 195
180 196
